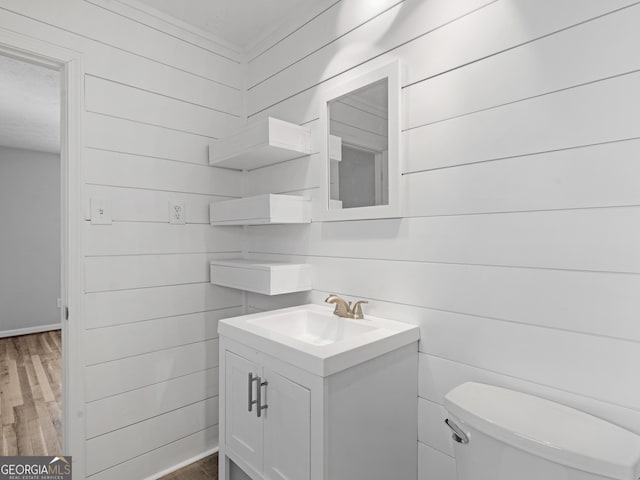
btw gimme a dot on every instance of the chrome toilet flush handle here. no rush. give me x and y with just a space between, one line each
458 435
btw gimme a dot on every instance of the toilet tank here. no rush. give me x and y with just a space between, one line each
508 435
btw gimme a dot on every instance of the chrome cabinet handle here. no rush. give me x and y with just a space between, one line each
252 402
458 435
259 400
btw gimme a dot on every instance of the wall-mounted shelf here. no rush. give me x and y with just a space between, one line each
263 143
261 210
267 278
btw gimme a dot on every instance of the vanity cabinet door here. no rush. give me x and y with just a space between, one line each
244 430
287 429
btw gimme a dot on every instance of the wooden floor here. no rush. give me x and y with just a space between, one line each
205 469
30 402
30 394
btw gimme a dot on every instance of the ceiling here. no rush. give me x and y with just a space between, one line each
241 22
29 106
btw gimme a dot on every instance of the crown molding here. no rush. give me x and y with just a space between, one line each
158 20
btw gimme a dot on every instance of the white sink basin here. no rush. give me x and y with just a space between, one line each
312 338
313 327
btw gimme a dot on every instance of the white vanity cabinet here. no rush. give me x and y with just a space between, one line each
275 443
359 423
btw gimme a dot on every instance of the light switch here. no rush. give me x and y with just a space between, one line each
100 211
177 212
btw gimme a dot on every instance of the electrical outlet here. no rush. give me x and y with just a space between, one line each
100 211
177 212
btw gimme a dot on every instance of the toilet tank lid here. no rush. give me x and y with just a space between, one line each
547 429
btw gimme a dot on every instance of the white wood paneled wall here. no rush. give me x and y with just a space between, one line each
154 99
518 255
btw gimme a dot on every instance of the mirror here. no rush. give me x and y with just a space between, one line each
360 132
359 147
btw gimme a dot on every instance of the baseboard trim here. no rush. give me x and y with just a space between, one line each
28 330
180 465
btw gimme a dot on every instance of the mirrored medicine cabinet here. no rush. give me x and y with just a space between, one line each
360 147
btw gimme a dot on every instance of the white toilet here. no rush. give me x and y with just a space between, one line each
505 435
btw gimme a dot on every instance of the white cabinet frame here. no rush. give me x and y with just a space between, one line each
363 420
322 212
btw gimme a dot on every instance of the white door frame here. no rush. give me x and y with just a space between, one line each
71 67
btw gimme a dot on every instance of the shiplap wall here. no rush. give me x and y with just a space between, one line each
154 98
518 253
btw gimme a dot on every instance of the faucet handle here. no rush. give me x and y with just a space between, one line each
357 309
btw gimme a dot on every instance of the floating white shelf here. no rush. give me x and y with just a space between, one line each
261 210
260 144
267 278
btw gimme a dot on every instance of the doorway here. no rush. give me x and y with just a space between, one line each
31 256
66 428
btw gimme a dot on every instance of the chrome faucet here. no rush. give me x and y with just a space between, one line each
343 309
